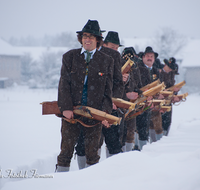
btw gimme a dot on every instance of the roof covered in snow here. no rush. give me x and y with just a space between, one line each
35 52
7 49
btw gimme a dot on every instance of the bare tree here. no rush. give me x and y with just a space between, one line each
64 39
26 61
45 72
167 42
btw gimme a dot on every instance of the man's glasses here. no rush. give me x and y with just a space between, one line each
85 36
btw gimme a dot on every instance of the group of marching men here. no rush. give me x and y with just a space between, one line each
92 76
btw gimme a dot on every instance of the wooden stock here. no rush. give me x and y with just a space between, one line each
50 108
151 92
165 108
93 113
162 109
151 85
157 102
179 85
120 103
85 111
127 66
167 94
182 96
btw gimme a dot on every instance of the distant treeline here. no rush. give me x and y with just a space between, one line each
64 39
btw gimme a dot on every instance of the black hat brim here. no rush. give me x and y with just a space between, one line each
91 32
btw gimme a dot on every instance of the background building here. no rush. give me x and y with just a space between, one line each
10 64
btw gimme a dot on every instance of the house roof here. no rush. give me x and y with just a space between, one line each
35 52
7 49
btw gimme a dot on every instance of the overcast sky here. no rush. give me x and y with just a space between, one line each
130 18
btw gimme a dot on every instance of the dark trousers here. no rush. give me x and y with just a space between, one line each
130 128
70 134
156 122
166 121
111 136
112 141
142 124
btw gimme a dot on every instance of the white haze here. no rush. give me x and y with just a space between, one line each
131 18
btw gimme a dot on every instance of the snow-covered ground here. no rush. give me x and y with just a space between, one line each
30 143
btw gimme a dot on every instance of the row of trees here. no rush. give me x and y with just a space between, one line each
45 72
64 39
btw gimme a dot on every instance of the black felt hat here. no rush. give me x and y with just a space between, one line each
157 64
92 26
129 51
113 37
176 70
150 50
140 54
171 63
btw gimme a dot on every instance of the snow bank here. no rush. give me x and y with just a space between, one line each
30 143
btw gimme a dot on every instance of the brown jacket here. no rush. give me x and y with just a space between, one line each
146 76
167 78
118 86
71 82
134 82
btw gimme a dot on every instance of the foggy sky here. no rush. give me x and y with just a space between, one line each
130 18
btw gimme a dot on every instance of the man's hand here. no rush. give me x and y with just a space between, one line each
114 107
68 114
105 123
125 77
175 99
132 95
160 97
149 98
176 89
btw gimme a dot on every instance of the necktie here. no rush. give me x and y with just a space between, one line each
84 95
88 56
150 74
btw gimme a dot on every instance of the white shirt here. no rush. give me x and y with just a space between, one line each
148 67
93 51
